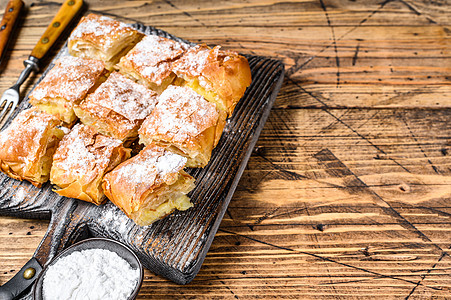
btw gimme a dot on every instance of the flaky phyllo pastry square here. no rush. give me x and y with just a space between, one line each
28 144
186 123
67 83
118 107
102 38
82 159
150 61
220 76
150 185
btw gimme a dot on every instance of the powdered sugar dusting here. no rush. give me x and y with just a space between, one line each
113 219
29 125
20 194
198 59
152 57
71 78
125 97
193 61
180 113
101 27
169 162
153 49
83 151
152 166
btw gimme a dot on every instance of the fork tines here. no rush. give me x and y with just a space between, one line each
8 104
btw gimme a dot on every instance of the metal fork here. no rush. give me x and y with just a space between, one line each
11 97
7 25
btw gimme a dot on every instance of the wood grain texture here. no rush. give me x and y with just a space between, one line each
347 195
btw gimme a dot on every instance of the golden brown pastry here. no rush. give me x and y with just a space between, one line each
102 38
28 144
118 107
220 76
150 185
186 123
67 83
149 62
82 159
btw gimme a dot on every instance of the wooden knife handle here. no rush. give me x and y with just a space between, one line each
10 18
66 13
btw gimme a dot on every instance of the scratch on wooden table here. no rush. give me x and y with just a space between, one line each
325 109
377 274
296 67
337 168
337 59
425 275
185 12
267 215
356 53
102 12
434 209
416 11
238 221
406 95
419 146
290 175
47 3
226 286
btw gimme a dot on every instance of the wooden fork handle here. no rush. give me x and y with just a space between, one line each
66 13
8 22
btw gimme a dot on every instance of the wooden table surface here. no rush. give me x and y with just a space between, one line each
348 192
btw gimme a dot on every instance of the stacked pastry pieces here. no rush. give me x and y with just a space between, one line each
120 89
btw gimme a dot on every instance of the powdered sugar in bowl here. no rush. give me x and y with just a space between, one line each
95 268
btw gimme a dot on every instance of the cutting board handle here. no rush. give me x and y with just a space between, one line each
65 222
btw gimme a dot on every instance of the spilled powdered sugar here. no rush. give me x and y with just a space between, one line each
114 219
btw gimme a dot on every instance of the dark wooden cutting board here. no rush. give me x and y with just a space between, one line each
174 247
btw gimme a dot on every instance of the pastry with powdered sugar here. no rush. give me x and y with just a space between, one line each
220 76
102 38
66 85
83 157
186 123
150 185
28 144
150 61
118 107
